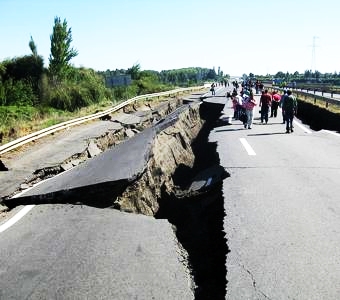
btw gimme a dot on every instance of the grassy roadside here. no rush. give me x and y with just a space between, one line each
333 108
18 121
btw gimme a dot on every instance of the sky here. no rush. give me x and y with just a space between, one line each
239 37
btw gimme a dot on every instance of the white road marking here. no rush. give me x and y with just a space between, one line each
19 215
16 218
248 148
304 128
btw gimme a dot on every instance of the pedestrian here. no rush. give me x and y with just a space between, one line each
212 89
261 86
275 104
265 103
282 100
243 115
290 108
249 107
237 105
257 86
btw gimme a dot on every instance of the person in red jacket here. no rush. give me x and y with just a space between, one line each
265 103
275 104
249 105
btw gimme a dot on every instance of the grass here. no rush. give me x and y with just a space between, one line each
321 103
20 121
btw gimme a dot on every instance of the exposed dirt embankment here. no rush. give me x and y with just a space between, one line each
171 149
174 187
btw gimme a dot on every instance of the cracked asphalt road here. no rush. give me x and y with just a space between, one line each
282 210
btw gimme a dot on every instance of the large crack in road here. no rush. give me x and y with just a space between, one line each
198 218
181 182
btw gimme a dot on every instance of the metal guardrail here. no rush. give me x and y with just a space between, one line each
311 96
41 133
314 97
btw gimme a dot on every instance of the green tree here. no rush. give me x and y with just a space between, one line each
280 74
307 74
33 47
61 51
134 71
2 70
26 69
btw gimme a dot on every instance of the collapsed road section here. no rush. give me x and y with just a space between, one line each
167 171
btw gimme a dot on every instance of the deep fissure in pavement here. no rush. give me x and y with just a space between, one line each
317 118
97 145
198 219
197 214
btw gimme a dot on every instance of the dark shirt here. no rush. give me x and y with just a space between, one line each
265 100
289 104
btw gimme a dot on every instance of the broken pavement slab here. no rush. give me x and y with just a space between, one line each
114 167
127 119
208 178
22 163
93 149
110 172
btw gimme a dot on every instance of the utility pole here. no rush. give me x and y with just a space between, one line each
313 54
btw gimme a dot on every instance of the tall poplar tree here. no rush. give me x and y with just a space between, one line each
33 47
61 51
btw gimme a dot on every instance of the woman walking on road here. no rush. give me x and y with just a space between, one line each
249 106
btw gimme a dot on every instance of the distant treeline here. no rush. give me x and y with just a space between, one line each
308 76
24 81
149 81
178 77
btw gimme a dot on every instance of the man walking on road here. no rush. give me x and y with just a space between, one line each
282 100
289 107
212 89
265 103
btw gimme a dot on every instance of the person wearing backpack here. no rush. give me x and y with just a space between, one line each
289 107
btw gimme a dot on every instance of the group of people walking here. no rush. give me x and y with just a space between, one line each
244 104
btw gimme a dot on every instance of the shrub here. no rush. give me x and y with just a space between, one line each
83 87
18 93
